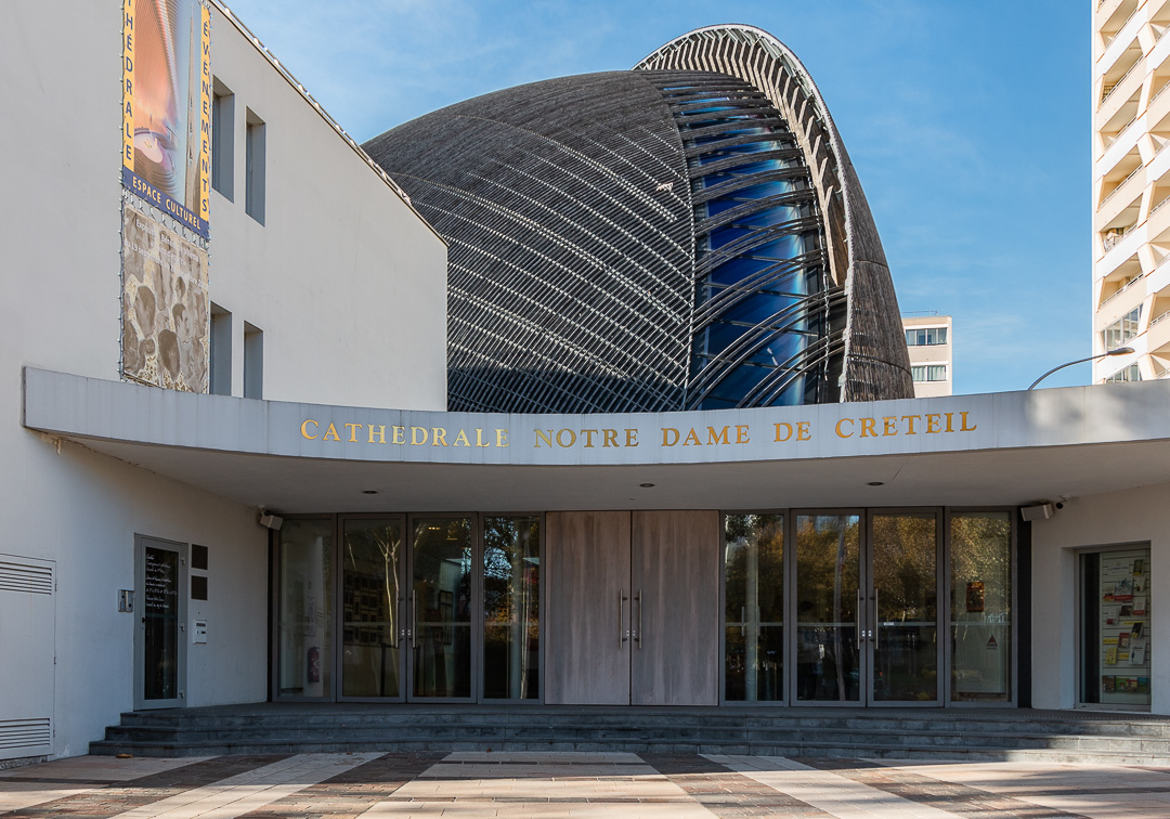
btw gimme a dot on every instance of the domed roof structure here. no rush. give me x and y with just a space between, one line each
688 234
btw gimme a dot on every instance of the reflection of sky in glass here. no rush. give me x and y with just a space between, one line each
766 329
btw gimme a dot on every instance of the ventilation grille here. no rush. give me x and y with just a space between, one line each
25 577
17 734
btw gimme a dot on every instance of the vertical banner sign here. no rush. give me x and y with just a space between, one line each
166 117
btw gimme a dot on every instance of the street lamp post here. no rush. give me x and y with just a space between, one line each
1118 351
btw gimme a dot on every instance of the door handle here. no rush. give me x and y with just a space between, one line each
623 634
877 617
638 631
857 620
412 629
742 621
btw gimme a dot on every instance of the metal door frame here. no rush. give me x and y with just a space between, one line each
339 606
478 685
475 627
870 616
141 543
790 612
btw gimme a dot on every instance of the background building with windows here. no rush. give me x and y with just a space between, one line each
1131 188
929 342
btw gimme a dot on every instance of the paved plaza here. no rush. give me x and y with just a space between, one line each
469 784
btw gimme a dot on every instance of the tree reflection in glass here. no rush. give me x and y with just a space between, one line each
753 614
828 564
981 611
370 662
511 607
905 585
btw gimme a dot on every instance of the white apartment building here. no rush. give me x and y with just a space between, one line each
929 342
1131 188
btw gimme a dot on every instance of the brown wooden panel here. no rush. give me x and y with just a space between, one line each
588 568
676 569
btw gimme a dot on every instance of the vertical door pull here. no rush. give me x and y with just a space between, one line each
623 635
638 631
877 617
412 629
857 635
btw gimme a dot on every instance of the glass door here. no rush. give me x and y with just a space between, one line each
829 603
373 560
901 635
160 654
440 607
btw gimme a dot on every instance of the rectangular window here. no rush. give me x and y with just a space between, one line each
924 336
929 372
304 617
1122 330
1130 373
223 121
511 607
1115 627
253 361
981 606
254 167
221 351
753 607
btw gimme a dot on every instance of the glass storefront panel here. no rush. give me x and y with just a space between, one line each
372 555
753 614
305 609
904 554
828 591
441 589
981 606
1115 627
511 607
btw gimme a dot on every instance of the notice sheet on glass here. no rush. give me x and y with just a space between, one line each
1125 627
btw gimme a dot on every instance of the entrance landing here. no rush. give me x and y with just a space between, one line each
554 785
893 733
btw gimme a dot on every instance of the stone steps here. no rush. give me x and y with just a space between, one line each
1001 734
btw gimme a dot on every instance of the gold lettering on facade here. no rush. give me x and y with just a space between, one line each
889 425
803 431
609 437
717 436
438 436
399 435
964 427
501 438
462 436
543 435
588 433
787 432
381 434
631 437
669 436
353 428
868 428
415 440
933 423
841 434
332 431
692 439
910 419
305 429
566 437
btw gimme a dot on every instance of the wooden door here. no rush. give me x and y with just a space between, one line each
675 610
587 656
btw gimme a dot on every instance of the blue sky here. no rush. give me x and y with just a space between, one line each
968 123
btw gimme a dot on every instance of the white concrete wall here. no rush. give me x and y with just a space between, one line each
347 283
1133 516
